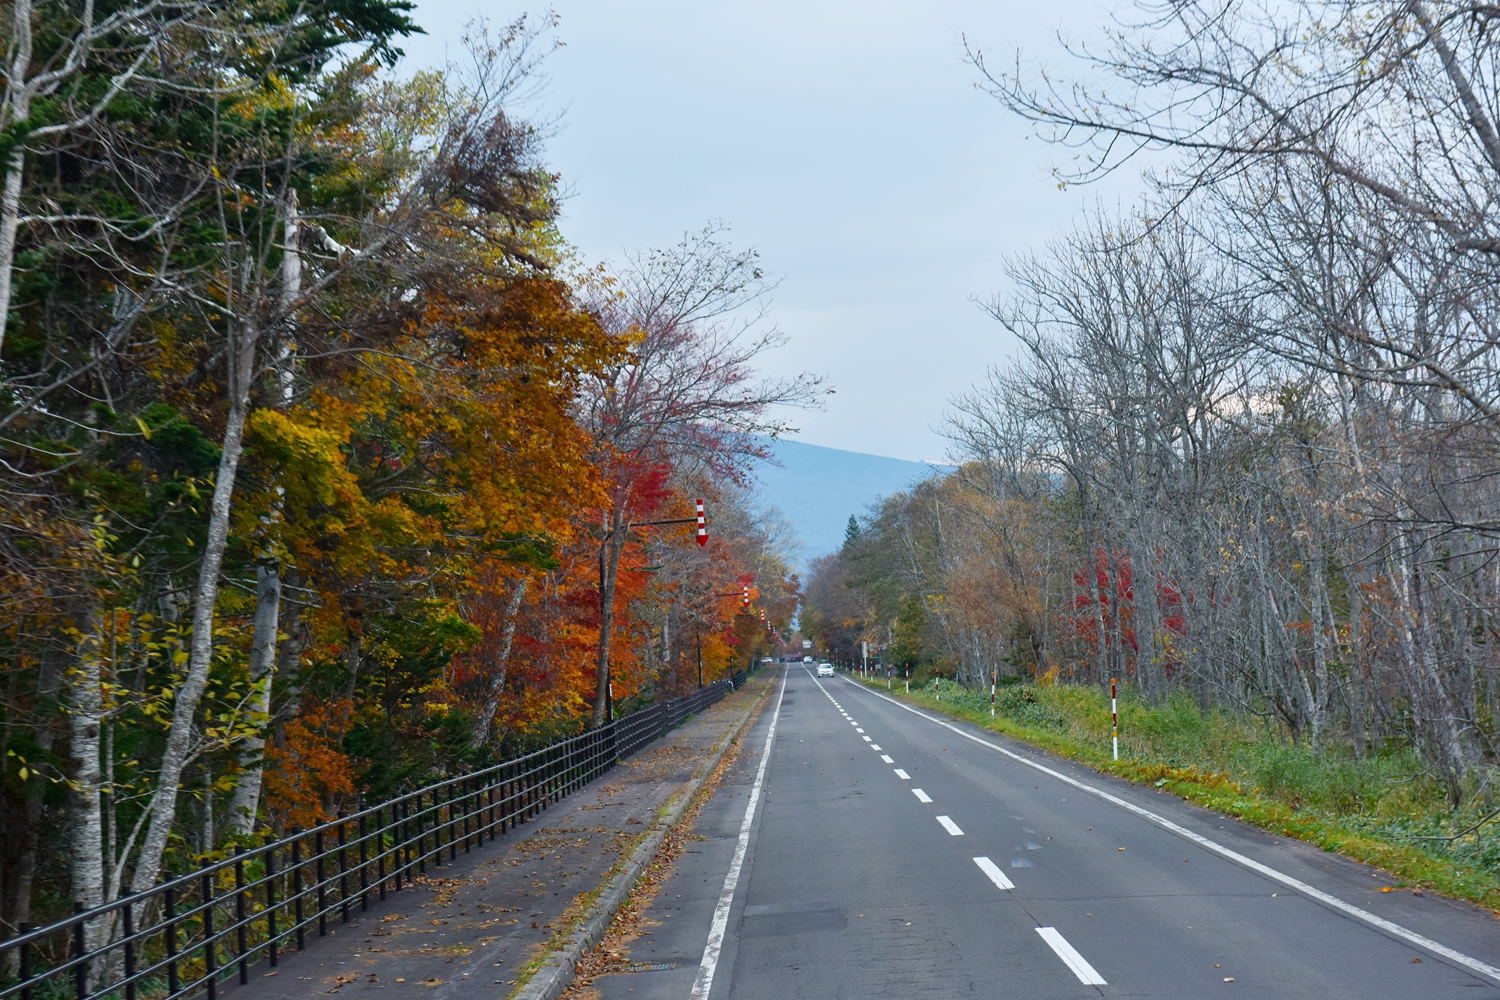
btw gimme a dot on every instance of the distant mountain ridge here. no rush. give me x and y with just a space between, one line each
818 488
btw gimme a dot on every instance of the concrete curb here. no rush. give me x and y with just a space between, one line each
561 964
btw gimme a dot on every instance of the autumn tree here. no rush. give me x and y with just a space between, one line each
684 395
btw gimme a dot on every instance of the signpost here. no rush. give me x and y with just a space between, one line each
1114 716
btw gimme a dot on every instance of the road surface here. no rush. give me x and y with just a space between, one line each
878 851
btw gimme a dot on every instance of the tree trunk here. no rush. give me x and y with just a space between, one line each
498 668
611 549
246 801
86 826
15 167
180 738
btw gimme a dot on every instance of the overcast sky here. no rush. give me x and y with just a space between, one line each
846 141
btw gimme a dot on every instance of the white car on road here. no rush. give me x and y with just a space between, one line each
825 670
807 659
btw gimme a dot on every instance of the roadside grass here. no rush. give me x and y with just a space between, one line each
1237 766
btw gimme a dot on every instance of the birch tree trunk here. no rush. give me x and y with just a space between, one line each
86 827
18 109
180 738
246 800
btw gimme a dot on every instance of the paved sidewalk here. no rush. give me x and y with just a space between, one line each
470 927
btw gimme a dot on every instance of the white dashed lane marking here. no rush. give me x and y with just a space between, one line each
950 826
921 795
995 874
1082 969
902 775
887 759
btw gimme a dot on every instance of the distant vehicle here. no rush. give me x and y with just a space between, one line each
807 659
767 660
825 670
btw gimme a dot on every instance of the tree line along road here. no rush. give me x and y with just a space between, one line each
894 853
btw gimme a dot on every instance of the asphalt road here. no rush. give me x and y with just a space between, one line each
893 854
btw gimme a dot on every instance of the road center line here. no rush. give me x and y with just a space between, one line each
922 796
1082 969
887 758
950 826
715 945
995 874
1389 926
902 775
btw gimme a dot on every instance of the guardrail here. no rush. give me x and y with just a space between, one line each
194 931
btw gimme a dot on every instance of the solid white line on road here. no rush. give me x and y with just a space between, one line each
950 826
888 760
1082 969
715 945
1332 901
921 795
902 775
995 874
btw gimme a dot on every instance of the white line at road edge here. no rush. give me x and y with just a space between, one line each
950 826
1082 969
1390 927
994 873
705 980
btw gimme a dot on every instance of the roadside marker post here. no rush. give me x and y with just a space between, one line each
1114 719
908 678
993 674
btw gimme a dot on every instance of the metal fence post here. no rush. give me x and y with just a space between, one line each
210 942
169 937
270 856
239 913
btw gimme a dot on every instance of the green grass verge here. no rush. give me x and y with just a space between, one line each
1236 766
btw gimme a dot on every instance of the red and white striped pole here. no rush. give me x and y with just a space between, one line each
1114 715
702 524
992 692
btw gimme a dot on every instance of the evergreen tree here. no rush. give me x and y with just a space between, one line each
851 531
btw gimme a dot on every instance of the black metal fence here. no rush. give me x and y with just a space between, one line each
194 931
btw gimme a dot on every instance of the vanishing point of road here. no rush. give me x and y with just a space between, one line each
861 848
